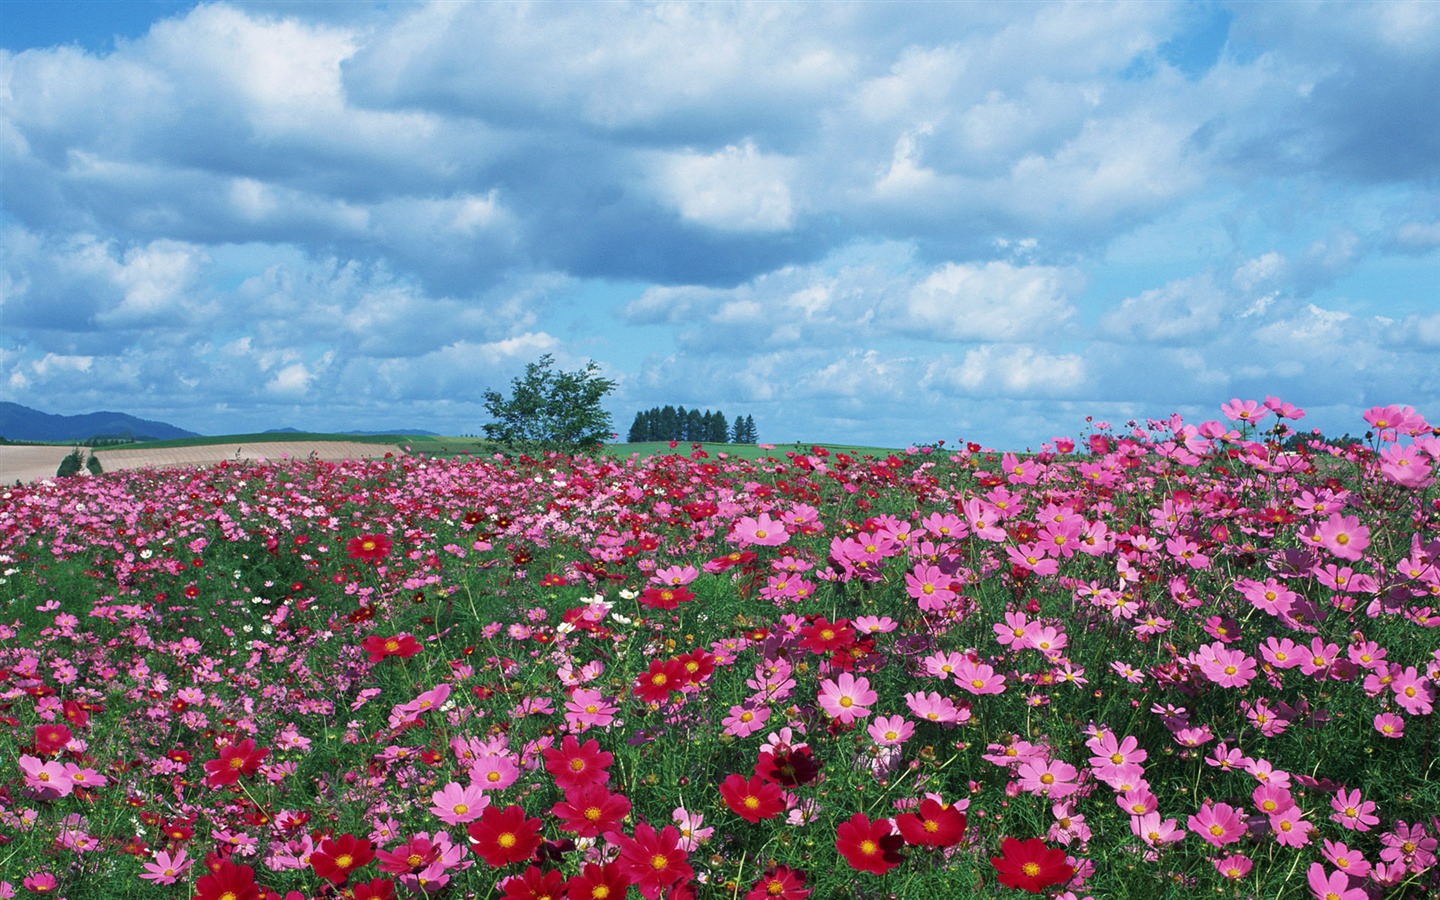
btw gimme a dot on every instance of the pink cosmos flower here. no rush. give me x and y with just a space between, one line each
1154 831
1052 778
1290 827
166 869
1390 725
1218 824
1343 536
762 531
1332 886
1351 862
586 708
1234 867
1413 692
933 707
48 778
847 698
1224 666
745 720
891 731
979 678
1352 811
457 804
493 773
930 587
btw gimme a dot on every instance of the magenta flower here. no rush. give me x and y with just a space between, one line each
49 778
1334 886
1218 824
457 804
847 698
760 530
1352 811
1413 692
1343 536
166 869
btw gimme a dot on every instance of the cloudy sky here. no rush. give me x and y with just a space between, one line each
882 223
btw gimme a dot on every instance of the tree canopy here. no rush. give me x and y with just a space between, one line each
549 409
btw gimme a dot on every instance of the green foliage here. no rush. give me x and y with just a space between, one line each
92 465
73 462
551 410
669 424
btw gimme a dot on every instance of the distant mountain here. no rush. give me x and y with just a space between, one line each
21 423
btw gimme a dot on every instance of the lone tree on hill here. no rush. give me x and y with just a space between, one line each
551 410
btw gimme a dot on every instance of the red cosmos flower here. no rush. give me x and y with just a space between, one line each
338 857
235 760
227 881
375 889
591 810
869 846
791 768
575 765
607 882
368 547
752 799
779 883
51 737
664 597
503 836
401 645
1031 865
655 685
75 714
823 636
698 665
654 861
936 825
534 885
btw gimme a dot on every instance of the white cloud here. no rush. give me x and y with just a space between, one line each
994 302
1010 370
1183 311
737 188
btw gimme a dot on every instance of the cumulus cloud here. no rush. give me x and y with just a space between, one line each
994 302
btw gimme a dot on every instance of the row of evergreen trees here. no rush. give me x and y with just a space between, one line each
667 423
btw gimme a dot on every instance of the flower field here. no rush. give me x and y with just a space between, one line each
1163 660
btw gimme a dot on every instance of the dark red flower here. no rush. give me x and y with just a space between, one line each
368 547
752 799
1031 865
375 889
401 645
504 836
936 825
653 860
235 760
664 597
338 857
591 810
595 882
534 885
789 768
575 765
779 883
51 737
869 846
663 676
227 881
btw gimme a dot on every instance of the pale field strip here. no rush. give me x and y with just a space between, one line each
27 464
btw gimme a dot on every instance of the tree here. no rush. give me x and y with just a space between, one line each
71 464
551 410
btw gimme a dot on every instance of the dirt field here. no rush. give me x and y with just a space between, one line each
27 464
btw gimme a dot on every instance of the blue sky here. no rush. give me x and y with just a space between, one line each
880 223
